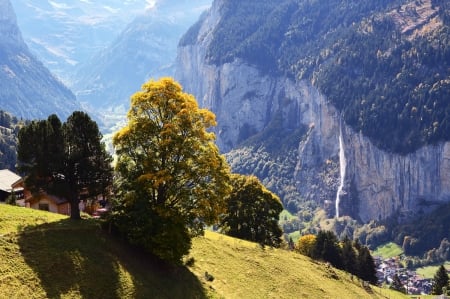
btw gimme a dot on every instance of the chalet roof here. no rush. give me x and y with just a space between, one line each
7 178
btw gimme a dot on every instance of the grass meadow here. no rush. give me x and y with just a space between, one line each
44 255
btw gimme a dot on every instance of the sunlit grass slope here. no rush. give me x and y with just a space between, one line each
43 255
244 270
60 258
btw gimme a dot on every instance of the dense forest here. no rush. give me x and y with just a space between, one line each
389 80
9 128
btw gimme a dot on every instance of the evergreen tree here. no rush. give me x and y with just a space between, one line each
326 248
9 128
349 260
441 281
64 159
366 266
40 153
87 164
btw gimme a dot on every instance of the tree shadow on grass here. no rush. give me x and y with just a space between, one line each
82 261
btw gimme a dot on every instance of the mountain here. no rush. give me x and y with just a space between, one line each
340 105
64 34
145 49
27 88
105 50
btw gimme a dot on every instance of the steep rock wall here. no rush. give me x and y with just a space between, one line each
377 184
388 183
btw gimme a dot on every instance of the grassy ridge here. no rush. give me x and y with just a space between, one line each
243 270
60 258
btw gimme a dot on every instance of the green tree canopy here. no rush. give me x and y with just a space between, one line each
66 160
441 281
170 172
253 212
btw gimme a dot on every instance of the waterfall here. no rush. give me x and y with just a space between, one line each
342 167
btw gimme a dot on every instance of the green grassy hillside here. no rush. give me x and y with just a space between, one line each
43 255
388 250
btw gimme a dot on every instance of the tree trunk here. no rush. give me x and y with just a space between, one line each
75 209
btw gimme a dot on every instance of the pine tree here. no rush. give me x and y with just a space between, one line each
441 280
366 266
326 248
64 159
349 256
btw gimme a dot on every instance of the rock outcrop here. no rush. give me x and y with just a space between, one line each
377 184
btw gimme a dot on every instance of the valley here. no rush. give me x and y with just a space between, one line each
341 108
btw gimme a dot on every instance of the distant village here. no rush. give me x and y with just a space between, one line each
413 283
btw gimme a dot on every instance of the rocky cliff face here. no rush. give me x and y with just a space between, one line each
27 88
388 183
376 185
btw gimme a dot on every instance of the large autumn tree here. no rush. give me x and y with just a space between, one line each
172 179
67 160
252 212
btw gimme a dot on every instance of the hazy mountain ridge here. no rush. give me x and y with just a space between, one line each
27 88
145 49
105 51
66 33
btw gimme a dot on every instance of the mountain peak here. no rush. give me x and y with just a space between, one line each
27 88
9 32
6 12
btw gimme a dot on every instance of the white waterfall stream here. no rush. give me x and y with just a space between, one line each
342 167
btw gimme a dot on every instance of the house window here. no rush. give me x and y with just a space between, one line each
43 207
